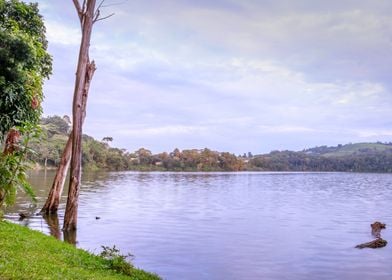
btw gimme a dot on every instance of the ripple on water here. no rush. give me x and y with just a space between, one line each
234 225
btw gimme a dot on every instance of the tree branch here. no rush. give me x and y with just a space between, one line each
84 6
97 12
96 15
78 9
100 5
102 18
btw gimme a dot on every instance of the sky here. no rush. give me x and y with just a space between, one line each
230 75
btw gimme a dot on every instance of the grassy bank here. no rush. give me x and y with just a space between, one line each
28 254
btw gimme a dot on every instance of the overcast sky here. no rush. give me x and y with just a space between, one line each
230 75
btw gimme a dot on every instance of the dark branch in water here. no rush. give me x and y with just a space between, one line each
376 232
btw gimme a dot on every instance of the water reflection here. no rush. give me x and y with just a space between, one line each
52 221
230 225
70 237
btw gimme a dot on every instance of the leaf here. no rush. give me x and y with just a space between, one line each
28 190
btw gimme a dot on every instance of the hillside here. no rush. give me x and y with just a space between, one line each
96 154
359 157
99 155
351 149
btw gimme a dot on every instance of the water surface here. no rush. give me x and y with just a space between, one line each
232 225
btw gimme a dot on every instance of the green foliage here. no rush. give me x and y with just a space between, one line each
48 148
56 124
28 254
13 167
24 63
98 155
116 260
360 157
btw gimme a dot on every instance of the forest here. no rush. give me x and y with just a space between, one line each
99 155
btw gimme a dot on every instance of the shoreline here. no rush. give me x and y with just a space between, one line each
30 254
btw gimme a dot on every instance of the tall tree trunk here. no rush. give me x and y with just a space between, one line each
71 211
53 201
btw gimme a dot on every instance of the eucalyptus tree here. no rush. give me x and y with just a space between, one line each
88 14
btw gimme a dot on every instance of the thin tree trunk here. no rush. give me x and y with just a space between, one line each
53 201
71 211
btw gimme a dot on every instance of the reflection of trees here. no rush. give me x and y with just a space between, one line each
53 224
70 236
97 181
93 177
52 221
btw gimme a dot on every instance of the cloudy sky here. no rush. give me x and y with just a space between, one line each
230 75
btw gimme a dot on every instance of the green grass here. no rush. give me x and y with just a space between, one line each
29 254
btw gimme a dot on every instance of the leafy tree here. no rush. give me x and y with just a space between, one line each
56 124
144 155
24 62
13 167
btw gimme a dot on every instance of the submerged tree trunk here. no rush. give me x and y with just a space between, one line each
52 202
87 19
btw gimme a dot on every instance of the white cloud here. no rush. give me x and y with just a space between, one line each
233 76
62 34
163 131
284 129
373 133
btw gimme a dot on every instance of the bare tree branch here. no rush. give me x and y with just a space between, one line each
78 9
96 15
102 18
84 6
97 12
100 5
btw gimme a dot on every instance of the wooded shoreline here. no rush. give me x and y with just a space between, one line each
99 155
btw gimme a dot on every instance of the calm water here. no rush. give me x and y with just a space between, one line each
233 225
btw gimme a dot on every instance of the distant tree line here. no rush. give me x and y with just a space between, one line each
371 161
98 155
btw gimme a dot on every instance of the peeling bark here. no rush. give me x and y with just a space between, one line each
87 19
52 203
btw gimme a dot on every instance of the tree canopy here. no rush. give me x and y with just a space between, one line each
24 64
24 61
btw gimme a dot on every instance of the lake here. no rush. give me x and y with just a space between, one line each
232 225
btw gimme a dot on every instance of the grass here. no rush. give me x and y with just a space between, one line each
29 254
